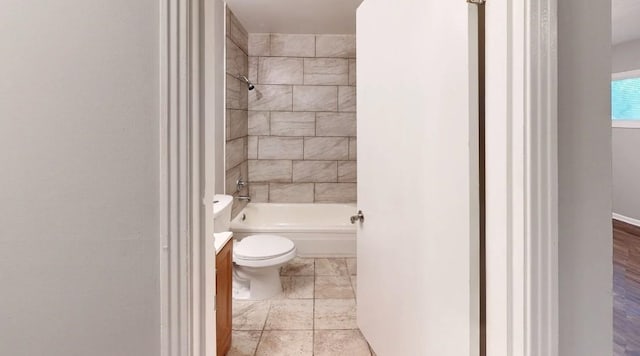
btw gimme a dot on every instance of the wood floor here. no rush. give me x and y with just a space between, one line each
626 289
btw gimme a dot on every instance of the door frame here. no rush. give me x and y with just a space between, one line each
521 165
521 178
188 107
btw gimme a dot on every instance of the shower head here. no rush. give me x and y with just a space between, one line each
250 85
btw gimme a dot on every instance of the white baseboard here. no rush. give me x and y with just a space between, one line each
626 219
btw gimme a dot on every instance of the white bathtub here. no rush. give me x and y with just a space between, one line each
318 230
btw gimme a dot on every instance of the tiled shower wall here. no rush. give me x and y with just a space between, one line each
236 164
302 118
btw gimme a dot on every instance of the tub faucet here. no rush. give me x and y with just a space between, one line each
244 198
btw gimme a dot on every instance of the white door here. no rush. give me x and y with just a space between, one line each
418 177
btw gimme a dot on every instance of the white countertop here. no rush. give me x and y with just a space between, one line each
221 239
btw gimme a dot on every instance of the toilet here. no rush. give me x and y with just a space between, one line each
256 259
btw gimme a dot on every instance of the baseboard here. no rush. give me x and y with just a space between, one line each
628 220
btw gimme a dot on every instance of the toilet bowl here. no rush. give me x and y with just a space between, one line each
257 260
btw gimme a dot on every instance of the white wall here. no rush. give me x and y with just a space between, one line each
79 127
585 241
626 143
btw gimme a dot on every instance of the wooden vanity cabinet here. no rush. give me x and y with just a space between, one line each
224 265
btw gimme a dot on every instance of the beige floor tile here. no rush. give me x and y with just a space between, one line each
333 287
352 266
244 343
340 342
290 314
297 287
286 343
249 315
335 314
331 267
354 284
298 267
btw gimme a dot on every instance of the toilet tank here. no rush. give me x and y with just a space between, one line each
222 205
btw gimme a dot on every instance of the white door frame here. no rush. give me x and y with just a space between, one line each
521 178
521 165
187 255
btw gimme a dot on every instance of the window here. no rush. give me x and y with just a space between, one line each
625 99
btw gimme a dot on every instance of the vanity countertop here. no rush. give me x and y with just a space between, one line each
221 240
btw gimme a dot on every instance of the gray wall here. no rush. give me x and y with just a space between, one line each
237 104
584 144
626 143
302 118
79 120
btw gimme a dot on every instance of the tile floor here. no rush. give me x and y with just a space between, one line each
315 314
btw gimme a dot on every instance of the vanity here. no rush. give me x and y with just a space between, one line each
224 268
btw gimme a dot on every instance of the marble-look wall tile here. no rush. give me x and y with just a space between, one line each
253 69
335 124
326 148
259 192
235 152
353 148
231 187
347 99
347 171
270 171
236 116
315 171
237 123
293 123
237 60
300 96
280 70
258 123
291 193
271 97
286 45
252 147
343 46
352 72
272 147
259 44
237 32
237 94
227 21
326 71
231 177
335 192
315 98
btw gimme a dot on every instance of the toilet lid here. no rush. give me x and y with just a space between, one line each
262 247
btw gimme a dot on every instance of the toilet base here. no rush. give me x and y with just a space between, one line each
260 283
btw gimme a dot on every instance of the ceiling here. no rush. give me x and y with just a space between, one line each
296 16
626 20
339 16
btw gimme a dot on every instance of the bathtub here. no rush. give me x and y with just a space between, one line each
318 230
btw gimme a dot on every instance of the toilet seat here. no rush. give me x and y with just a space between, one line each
263 250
